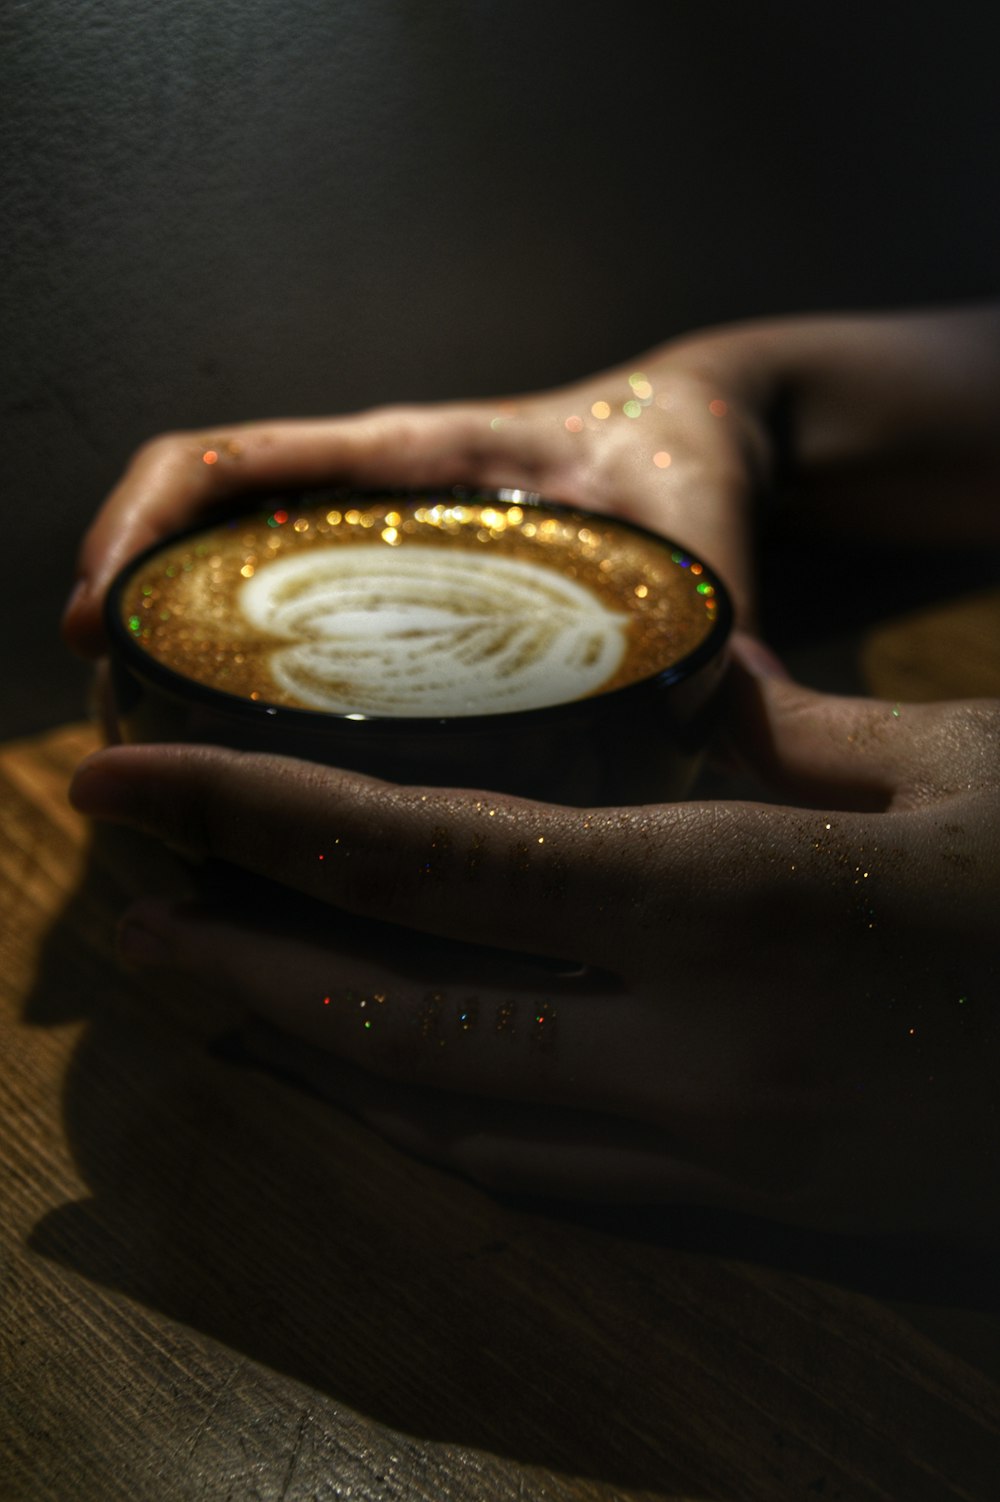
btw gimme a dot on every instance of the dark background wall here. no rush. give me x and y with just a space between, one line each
221 209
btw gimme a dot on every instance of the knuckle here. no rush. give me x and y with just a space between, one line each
404 422
163 446
978 719
962 745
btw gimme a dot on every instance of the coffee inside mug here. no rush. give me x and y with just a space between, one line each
451 637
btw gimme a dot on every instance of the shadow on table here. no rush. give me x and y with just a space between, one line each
648 1350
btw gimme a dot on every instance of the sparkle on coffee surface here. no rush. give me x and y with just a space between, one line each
418 607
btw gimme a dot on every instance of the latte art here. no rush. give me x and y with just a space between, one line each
418 608
387 632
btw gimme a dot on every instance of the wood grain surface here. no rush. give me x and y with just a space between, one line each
218 1285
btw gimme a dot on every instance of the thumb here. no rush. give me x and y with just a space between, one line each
831 750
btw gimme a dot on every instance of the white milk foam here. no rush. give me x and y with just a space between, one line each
431 631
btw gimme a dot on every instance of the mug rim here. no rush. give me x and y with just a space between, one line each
261 712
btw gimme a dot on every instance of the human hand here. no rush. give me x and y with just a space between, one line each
784 1010
674 467
869 419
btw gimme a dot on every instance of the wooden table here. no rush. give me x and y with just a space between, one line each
217 1285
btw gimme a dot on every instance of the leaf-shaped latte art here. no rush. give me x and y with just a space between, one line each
431 631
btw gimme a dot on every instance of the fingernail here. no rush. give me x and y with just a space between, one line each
140 946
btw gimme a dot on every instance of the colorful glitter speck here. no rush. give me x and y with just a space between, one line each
543 1027
468 1014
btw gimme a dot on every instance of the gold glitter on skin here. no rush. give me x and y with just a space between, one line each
197 580
474 856
506 1019
554 878
438 861
856 864
429 1018
520 858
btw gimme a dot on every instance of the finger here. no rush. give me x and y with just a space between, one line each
706 506
854 753
447 1017
691 466
485 868
611 887
511 1148
177 478
561 1154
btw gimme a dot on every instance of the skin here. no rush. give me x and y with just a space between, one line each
782 1009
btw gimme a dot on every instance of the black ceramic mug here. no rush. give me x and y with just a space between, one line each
450 638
